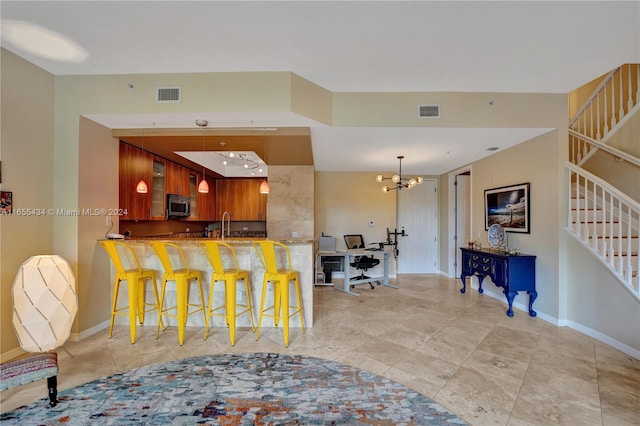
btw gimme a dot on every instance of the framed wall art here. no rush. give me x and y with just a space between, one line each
509 207
6 202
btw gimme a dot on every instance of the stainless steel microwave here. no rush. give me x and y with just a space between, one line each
178 206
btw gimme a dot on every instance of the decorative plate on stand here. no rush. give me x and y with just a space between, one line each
496 236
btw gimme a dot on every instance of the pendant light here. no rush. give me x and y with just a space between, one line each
141 186
264 185
203 186
400 181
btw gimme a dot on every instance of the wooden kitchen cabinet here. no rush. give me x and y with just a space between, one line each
241 198
158 194
135 165
255 203
177 179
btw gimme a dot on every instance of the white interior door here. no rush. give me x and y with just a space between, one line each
418 217
463 217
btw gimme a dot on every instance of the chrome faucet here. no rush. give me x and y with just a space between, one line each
228 215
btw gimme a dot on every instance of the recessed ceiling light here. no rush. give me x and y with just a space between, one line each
493 148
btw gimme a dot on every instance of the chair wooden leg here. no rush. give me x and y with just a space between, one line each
52 385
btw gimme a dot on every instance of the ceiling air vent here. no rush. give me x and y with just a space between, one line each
429 111
168 94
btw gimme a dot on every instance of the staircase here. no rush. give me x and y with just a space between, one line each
601 217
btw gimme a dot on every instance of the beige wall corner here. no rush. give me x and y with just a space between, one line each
97 203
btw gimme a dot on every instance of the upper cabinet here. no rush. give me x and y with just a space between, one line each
205 204
241 198
177 179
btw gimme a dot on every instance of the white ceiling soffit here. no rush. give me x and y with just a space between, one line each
431 151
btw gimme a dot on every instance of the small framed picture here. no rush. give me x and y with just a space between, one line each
6 202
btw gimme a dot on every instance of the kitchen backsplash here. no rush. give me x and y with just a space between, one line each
187 229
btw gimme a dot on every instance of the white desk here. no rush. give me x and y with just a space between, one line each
347 255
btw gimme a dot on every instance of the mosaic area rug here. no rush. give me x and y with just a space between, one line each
237 389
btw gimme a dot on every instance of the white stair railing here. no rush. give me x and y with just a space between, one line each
580 146
605 221
611 104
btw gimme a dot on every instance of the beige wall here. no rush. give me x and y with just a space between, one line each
623 175
536 162
346 201
27 171
599 306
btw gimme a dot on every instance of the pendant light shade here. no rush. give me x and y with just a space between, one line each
141 186
264 187
203 186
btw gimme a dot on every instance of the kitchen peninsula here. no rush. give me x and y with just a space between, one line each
301 253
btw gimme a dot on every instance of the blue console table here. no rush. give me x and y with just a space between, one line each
512 273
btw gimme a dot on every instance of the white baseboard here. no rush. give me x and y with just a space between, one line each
632 352
76 337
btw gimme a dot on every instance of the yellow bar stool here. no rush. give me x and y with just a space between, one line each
221 255
276 261
128 269
176 269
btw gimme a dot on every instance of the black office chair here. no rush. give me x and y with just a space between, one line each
356 241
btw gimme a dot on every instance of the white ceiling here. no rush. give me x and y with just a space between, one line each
345 46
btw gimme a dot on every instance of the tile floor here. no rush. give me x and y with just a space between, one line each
460 350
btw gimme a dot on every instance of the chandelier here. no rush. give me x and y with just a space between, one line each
400 182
